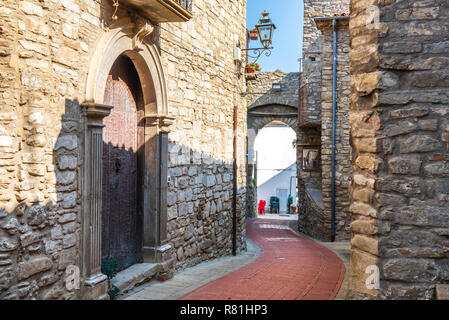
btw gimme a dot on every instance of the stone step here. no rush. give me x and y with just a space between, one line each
137 275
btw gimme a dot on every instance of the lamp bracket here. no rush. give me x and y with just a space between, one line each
258 52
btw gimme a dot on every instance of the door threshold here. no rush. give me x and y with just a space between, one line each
136 275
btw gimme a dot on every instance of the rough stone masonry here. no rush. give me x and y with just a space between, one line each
45 51
400 137
315 122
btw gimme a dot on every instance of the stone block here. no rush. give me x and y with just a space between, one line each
417 270
8 244
419 143
442 291
363 195
33 266
400 128
368 227
359 264
67 257
363 209
68 142
404 165
365 144
6 141
31 8
417 111
366 244
68 199
368 162
69 240
65 162
440 168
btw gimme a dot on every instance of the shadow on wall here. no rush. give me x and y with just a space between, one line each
199 199
41 236
41 195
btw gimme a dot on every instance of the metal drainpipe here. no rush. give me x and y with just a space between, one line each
334 127
235 185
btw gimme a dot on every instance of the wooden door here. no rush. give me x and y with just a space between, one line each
121 232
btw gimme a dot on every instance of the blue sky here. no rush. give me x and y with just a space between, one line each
287 15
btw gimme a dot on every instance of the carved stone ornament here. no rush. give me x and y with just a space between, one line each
143 30
163 122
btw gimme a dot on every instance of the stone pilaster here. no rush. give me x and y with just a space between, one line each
95 283
155 246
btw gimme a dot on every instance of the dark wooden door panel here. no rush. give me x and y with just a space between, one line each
120 233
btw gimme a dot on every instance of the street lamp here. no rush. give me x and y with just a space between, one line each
265 29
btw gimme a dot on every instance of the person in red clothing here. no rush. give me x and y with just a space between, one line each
261 208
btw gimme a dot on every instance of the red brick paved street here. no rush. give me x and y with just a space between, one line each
290 267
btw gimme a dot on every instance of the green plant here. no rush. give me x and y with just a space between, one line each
278 70
253 65
255 182
113 292
109 268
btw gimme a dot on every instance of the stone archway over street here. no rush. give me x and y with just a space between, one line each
271 96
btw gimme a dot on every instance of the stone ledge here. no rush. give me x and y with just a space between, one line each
442 291
137 275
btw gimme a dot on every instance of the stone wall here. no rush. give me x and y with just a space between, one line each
343 148
315 114
312 58
399 127
259 91
43 54
203 90
313 213
45 50
312 220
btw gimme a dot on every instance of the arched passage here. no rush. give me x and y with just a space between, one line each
260 116
275 149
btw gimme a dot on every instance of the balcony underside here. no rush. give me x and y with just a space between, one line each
163 10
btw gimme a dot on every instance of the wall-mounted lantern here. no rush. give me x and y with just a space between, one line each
264 32
265 27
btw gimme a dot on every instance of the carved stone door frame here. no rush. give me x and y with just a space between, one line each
128 39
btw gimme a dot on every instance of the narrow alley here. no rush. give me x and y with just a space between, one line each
288 267
183 150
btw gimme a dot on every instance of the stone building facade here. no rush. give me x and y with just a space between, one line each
399 126
267 104
59 61
316 125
